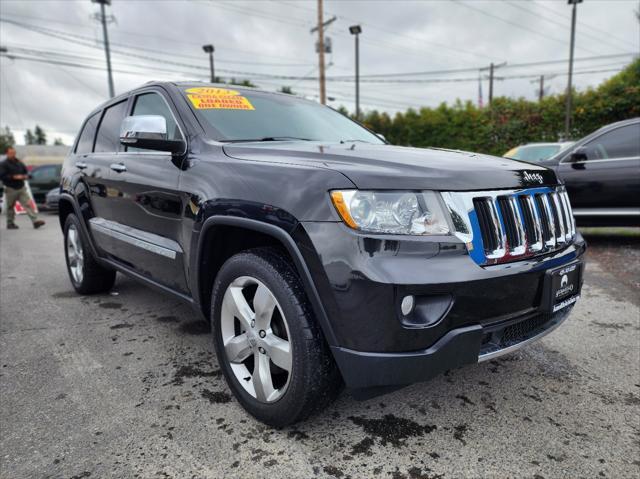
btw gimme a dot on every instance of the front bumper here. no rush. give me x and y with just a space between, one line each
361 280
457 348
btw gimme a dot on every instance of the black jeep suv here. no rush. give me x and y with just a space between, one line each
321 255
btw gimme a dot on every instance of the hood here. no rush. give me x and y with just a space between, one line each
394 167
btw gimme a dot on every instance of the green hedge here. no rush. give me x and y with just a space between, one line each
508 122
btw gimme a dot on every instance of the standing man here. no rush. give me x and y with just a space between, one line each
13 174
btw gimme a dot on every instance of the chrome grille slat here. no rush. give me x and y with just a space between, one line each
572 222
516 241
535 242
548 223
558 218
494 239
522 247
565 215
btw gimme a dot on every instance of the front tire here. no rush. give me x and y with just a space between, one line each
269 346
86 275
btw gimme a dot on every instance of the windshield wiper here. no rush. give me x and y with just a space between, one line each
354 141
268 138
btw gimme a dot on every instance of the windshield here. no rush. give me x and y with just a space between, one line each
258 116
535 153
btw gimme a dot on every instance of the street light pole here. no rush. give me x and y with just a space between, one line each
357 30
209 49
107 51
567 116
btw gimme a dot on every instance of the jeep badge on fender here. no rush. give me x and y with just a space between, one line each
322 256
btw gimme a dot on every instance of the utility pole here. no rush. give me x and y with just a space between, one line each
107 52
356 30
209 49
323 86
541 93
492 68
567 116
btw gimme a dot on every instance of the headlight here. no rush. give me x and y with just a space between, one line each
395 212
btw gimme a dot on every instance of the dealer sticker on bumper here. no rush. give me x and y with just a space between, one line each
565 286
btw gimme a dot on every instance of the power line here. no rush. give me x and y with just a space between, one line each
75 38
555 22
308 78
403 50
86 85
192 69
388 32
476 68
591 27
261 14
517 25
13 104
161 52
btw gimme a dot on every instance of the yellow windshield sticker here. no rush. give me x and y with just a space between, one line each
206 98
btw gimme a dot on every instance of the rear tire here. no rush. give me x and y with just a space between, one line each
86 275
277 332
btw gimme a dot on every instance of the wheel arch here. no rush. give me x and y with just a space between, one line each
67 205
223 236
65 208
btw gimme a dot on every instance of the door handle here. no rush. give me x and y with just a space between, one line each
118 167
81 165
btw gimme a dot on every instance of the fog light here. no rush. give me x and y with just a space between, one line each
408 302
424 311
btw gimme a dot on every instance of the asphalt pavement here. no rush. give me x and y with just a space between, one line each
126 385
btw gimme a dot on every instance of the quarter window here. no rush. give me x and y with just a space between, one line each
623 142
108 138
85 142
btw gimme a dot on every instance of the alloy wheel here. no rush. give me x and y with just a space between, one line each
256 341
75 254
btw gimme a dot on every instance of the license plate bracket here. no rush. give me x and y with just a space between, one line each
562 286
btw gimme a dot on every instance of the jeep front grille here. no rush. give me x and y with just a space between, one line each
508 225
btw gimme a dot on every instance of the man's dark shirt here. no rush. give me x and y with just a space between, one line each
8 168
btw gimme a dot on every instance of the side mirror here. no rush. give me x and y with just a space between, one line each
148 132
579 154
381 136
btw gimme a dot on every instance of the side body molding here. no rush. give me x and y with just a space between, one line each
86 232
288 242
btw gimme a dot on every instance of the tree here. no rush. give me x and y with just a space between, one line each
509 122
6 139
58 142
40 136
342 109
287 89
29 138
233 81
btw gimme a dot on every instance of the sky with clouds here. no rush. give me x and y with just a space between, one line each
53 70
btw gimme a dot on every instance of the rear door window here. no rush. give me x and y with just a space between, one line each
85 142
108 137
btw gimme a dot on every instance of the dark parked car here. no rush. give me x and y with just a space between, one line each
42 179
321 255
602 175
52 199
